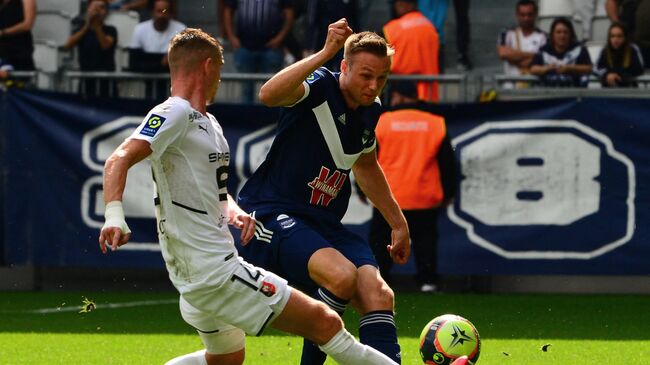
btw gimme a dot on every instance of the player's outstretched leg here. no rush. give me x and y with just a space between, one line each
311 353
313 320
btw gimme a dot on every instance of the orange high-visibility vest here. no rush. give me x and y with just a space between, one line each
416 44
408 142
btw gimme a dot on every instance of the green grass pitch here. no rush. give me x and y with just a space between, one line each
146 328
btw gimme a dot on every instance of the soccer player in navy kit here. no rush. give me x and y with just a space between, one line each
301 191
221 295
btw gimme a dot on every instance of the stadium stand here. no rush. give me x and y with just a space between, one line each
600 23
52 26
125 23
71 7
551 9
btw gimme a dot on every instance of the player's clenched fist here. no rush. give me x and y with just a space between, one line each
337 33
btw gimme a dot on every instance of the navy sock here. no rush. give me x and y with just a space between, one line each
311 354
377 330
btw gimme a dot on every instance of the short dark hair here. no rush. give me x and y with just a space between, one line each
405 88
527 3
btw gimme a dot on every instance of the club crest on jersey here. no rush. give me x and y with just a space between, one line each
286 222
267 289
153 125
326 187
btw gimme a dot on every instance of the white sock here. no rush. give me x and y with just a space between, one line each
195 358
346 350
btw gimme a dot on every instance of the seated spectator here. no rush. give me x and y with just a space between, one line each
416 43
148 48
16 43
518 45
563 61
95 42
634 15
620 62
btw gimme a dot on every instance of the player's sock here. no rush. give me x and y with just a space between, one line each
195 358
345 350
311 354
377 330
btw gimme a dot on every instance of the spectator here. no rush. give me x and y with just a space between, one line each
258 39
563 61
620 61
416 44
634 15
461 9
148 49
16 44
414 141
436 12
95 42
321 13
517 45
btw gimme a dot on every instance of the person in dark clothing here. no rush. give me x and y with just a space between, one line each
95 42
620 62
16 43
562 61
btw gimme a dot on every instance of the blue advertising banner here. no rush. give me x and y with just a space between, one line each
549 187
545 187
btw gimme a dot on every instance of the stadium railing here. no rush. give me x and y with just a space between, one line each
453 88
528 87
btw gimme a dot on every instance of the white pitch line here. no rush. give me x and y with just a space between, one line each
101 306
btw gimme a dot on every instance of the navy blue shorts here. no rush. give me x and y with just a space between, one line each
284 244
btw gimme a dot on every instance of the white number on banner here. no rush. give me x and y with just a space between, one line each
537 178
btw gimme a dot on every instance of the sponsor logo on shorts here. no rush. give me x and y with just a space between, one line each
267 289
153 125
286 222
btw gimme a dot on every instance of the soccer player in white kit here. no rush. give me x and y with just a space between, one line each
221 296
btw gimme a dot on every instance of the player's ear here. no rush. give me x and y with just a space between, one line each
344 66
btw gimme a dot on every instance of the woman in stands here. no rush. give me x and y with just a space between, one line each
620 62
563 61
16 44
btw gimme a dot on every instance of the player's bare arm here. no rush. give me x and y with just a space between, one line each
372 181
285 88
115 232
242 220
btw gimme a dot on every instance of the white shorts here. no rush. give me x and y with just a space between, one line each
250 300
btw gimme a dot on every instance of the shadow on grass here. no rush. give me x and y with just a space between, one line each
496 316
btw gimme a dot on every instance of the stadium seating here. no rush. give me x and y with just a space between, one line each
555 8
125 23
70 7
54 26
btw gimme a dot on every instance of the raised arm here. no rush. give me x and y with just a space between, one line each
285 88
115 232
372 181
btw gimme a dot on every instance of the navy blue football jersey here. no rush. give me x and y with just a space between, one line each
307 169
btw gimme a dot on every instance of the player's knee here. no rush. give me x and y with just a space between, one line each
327 324
343 281
379 297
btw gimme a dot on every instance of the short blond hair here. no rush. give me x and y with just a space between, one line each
191 46
367 41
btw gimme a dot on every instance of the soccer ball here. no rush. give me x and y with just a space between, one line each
448 337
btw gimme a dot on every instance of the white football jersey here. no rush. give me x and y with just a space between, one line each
190 169
516 39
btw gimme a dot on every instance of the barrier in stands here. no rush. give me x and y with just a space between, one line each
547 187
